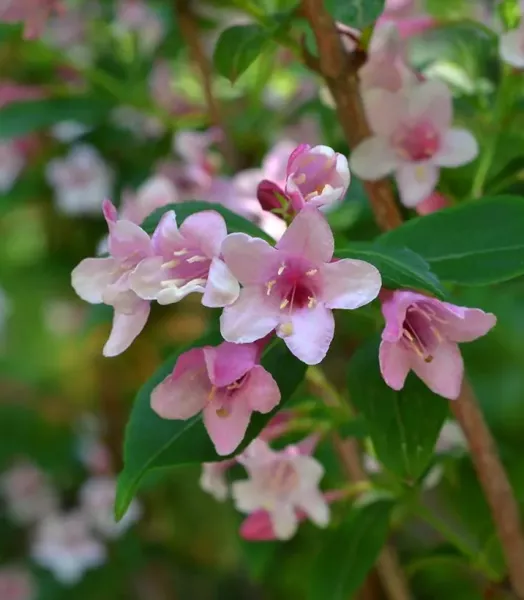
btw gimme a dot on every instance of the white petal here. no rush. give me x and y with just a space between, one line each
373 158
458 147
416 181
222 288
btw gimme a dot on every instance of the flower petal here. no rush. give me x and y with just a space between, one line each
228 362
373 158
250 318
260 391
312 333
416 181
128 240
394 307
443 375
126 328
146 279
349 283
246 496
227 432
458 147
251 260
309 236
385 110
313 503
431 100
167 238
284 520
394 364
222 288
257 527
207 230
92 276
462 324
510 48
174 293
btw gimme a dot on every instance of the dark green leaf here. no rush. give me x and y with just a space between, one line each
404 425
235 223
350 552
20 118
152 442
477 243
238 47
399 267
355 13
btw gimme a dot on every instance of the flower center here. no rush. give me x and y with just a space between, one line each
315 171
280 478
417 141
420 331
224 409
187 265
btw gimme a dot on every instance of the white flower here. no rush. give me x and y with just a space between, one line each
12 162
98 499
81 181
27 493
64 545
281 483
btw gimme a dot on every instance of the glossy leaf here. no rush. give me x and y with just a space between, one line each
152 442
355 13
404 425
350 552
476 243
399 267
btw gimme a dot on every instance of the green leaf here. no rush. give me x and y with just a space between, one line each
235 223
399 267
404 425
20 118
356 13
350 552
238 47
152 442
476 243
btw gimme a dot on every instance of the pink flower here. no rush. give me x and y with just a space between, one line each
511 47
412 138
282 484
187 260
33 13
213 479
432 203
64 545
112 280
163 92
293 287
226 383
16 583
27 493
407 16
156 192
136 16
422 333
97 500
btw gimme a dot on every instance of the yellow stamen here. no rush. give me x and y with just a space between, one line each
196 258
171 264
281 269
312 302
269 286
212 393
284 303
180 252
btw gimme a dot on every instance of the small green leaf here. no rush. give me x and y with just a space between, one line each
20 118
350 552
476 243
152 442
356 13
404 425
238 47
399 267
235 223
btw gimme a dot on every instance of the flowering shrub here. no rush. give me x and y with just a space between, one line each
295 227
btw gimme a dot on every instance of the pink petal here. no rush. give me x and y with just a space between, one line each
126 240
145 280
312 333
126 328
257 527
443 375
92 276
432 203
394 364
458 147
349 283
416 181
251 260
222 287
227 432
373 159
284 521
167 238
192 360
385 110
298 151
309 236
313 503
228 362
110 212
207 229
431 100
394 307
260 391
463 324
250 318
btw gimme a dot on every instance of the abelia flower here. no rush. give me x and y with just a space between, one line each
156 192
186 260
407 15
413 138
136 16
213 479
112 280
27 493
81 181
33 13
511 47
64 544
97 498
16 583
422 334
432 203
282 484
294 286
226 383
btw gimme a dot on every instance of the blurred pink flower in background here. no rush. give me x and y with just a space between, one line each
63 544
143 125
27 493
511 46
408 16
213 479
137 17
155 192
17 583
33 13
432 203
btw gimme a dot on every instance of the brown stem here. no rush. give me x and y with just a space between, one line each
339 70
191 34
